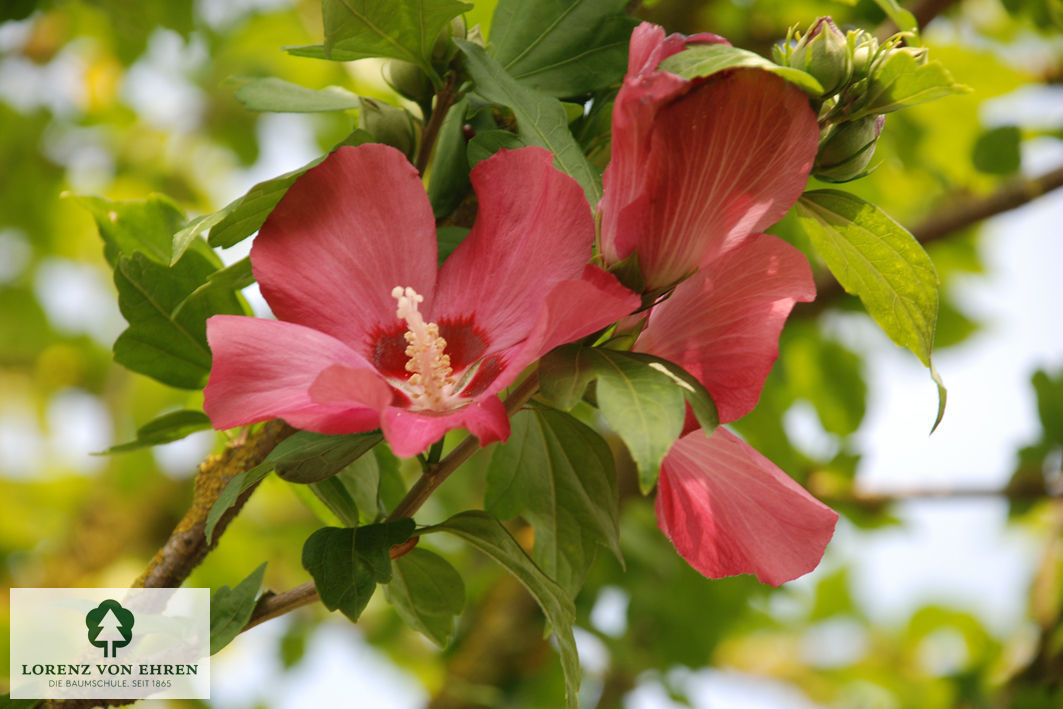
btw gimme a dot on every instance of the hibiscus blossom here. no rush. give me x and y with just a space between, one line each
728 509
698 165
370 333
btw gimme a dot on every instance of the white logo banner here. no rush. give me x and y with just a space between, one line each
110 643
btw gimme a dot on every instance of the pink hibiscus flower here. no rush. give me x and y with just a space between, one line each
699 168
698 165
727 509
370 333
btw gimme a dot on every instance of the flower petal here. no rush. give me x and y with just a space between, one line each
728 510
345 234
571 310
410 432
722 325
264 369
348 386
534 229
649 47
698 168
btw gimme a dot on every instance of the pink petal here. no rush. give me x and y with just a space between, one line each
345 234
571 310
410 432
348 386
700 165
729 510
723 324
264 369
649 47
534 230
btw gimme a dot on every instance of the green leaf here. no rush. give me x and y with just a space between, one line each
300 455
342 579
230 609
449 181
401 29
877 259
172 349
353 494
144 227
997 151
702 60
484 532
902 81
335 496
166 428
541 119
308 457
227 280
694 392
904 19
240 483
643 404
427 592
346 564
245 215
6 702
559 475
484 145
449 238
562 47
275 95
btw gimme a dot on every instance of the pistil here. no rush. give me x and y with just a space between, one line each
430 384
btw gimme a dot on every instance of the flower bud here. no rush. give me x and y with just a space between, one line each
824 53
846 150
389 125
864 50
407 79
444 48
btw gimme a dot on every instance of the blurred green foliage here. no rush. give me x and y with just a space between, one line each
124 99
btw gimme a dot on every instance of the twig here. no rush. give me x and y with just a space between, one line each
444 100
1014 194
878 499
277 604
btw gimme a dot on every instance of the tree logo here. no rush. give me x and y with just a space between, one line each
110 626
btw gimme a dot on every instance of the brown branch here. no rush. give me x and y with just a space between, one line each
187 544
879 499
444 100
948 221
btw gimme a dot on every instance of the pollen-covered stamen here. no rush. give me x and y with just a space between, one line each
430 384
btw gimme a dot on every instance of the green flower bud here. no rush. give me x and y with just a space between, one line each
389 125
846 150
824 53
407 79
444 48
864 48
